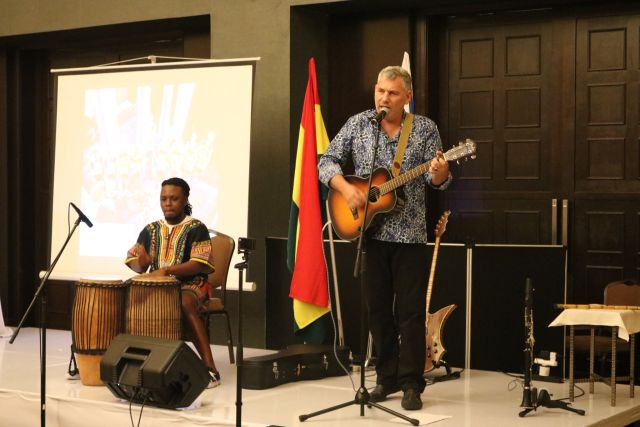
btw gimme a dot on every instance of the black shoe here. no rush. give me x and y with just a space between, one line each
380 393
411 400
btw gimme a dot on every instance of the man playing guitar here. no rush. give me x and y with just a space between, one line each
397 268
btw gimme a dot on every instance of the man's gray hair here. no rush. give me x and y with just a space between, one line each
392 72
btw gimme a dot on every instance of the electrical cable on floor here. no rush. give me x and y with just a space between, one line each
333 319
138 390
142 408
130 403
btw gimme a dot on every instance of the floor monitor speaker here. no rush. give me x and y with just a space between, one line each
154 371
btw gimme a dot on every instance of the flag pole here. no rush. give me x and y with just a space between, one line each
336 290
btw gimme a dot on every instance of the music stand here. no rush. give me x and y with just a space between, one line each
362 397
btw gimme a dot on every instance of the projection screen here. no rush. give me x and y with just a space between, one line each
122 130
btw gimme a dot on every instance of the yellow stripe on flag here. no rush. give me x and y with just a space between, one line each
307 313
322 138
295 195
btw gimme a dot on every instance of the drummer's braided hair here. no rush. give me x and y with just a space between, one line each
179 182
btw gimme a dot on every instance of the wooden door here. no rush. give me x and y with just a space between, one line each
500 94
553 104
606 213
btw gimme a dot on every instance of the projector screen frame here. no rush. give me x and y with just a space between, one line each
114 68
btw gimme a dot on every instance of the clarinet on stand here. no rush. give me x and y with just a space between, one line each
529 394
531 398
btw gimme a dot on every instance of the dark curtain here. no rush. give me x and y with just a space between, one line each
25 159
4 174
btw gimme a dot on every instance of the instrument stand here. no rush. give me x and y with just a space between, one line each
543 398
450 375
245 245
531 399
42 295
362 397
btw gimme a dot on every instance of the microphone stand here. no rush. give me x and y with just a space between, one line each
43 325
531 399
241 266
362 395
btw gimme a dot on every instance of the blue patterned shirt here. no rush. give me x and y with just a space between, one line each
356 140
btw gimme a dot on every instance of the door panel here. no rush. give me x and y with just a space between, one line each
499 220
605 245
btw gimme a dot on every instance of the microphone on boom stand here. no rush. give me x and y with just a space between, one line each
531 398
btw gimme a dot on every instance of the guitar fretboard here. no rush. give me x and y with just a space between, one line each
467 149
400 180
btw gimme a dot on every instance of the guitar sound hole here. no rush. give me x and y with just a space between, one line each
374 195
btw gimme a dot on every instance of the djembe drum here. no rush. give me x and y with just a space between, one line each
153 307
97 317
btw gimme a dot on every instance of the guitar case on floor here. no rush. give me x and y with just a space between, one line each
297 362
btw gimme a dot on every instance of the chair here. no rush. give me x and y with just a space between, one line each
222 250
622 292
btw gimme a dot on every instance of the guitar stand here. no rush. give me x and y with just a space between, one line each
544 399
450 375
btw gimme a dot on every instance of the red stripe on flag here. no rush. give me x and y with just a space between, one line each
309 281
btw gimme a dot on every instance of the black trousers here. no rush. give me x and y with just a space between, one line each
396 283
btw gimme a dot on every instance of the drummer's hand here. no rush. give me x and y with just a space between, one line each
144 259
159 272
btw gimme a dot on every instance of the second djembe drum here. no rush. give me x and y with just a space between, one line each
153 307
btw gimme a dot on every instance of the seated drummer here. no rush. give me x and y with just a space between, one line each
179 246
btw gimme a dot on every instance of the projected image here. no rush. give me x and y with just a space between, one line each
138 138
121 132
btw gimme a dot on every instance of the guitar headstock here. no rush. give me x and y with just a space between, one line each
442 224
465 150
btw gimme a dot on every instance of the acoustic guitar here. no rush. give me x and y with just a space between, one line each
382 197
435 322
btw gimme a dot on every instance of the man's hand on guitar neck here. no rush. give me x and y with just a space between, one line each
354 197
439 168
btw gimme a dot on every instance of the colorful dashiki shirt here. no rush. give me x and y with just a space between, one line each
174 244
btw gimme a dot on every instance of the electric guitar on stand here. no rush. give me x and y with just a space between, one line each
382 197
435 322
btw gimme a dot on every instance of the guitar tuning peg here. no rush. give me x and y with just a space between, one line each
473 156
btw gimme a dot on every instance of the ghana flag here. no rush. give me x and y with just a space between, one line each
305 255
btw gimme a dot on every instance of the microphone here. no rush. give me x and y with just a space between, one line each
380 115
82 216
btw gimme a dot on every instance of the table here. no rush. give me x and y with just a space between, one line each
623 323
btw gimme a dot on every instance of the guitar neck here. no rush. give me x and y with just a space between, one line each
433 271
460 152
401 180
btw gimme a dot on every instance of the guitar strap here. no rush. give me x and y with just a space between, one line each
407 124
